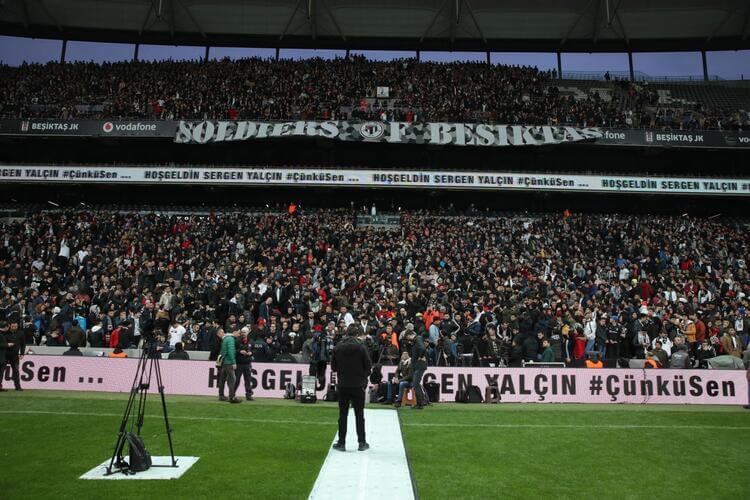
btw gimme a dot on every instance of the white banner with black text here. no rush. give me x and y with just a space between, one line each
348 178
454 134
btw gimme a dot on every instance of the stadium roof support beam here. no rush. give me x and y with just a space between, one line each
333 20
630 66
291 18
705 65
474 20
576 22
434 20
191 17
312 18
559 65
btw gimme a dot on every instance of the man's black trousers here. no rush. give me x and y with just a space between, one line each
13 362
355 396
243 371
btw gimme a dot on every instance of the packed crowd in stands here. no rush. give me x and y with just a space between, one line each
344 88
480 290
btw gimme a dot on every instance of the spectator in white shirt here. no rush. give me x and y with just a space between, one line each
176 332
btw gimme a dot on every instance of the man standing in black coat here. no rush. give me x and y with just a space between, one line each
419 364
352 364
13 347
243 346
3 352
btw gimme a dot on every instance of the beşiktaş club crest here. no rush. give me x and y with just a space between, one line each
25 126
371 130
649 137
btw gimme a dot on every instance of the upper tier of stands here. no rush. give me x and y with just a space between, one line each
355 88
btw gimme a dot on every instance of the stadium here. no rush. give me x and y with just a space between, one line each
336 249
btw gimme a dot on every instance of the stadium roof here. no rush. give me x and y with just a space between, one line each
481 25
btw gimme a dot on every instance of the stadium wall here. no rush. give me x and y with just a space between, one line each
517 385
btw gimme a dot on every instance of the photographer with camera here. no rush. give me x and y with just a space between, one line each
352 364
320 349
433 337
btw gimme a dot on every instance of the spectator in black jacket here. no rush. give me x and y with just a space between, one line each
4 347
600 336
73 351
179 352
244 365
352 365
516 353
530 347
419 364
490 348
76 336
14 349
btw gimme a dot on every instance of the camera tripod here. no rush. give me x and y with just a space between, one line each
148 365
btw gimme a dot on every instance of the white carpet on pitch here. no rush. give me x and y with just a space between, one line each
183 464
378 473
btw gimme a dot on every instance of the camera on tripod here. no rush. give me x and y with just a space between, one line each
130 426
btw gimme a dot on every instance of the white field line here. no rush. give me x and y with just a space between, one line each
405 424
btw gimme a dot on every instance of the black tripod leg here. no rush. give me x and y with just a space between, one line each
116 455
144 388
157 368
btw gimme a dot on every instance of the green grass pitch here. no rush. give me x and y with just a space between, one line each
274 449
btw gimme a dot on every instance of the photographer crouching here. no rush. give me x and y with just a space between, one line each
352 364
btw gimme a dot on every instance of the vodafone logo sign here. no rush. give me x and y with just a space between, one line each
128 128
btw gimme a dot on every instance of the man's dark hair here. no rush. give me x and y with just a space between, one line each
354 330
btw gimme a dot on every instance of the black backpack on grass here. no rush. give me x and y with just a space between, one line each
474 395
433 391
140 459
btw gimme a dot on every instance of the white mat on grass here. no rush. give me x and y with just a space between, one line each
378 473
183 464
